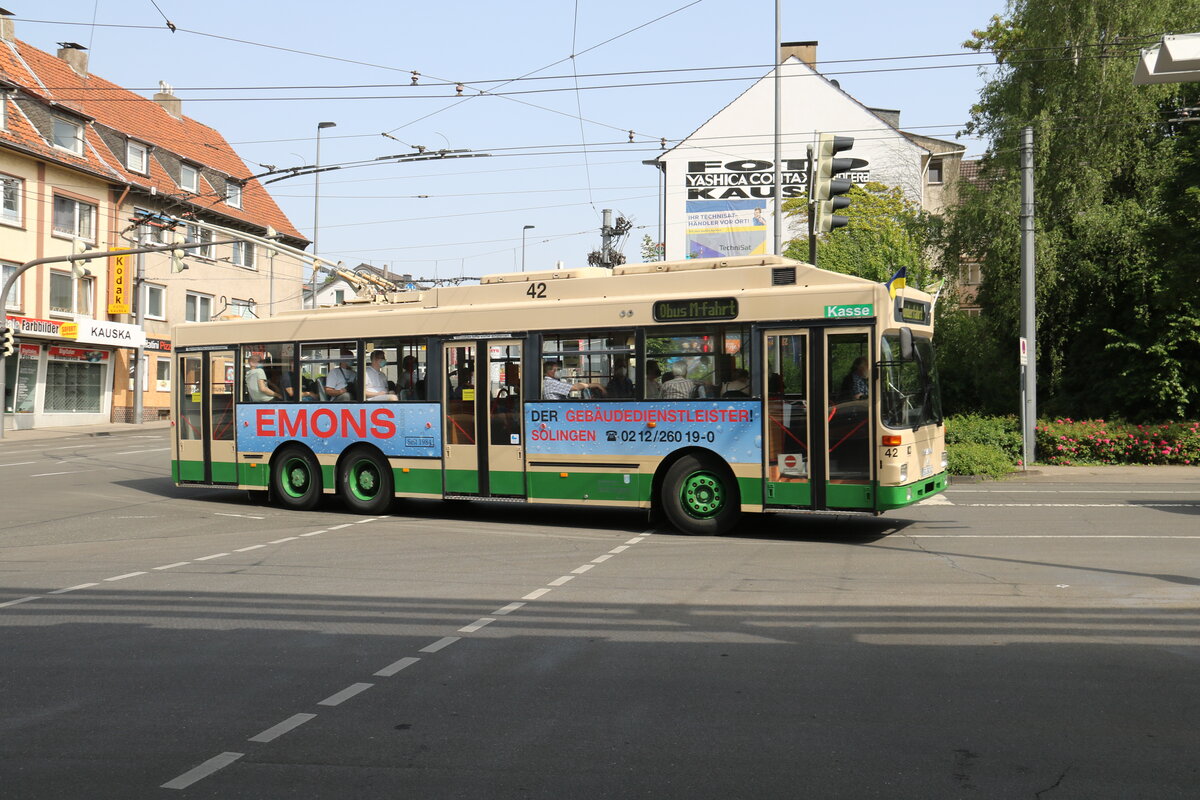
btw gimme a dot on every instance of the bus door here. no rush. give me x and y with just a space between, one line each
848 418
206 433
484 450
790 469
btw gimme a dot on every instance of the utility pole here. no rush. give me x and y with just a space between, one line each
139 310
1028 343
777 220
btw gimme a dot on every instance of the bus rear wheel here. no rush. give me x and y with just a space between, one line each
366 481
296 479
700 496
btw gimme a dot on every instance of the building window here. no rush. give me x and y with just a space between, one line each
243 254
14 294
68 135
197 234
198 307
137 157
70 295
339 297
162 375
189 178
935 170
156 301
11 191
75 219
233 194
244 309
972 275
73 387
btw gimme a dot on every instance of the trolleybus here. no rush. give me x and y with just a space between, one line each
699 390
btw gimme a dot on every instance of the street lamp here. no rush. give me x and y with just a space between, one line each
526 228
317 205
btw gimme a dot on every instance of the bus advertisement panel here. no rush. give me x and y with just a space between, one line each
403 430
731 428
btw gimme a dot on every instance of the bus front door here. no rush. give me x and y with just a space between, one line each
790 469
848 426
484 447
206 436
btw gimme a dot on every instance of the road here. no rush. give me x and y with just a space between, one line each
1033 639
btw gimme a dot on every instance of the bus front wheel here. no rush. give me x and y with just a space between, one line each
296 479
366 481
700 496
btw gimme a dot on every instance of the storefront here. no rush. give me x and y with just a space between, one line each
62 372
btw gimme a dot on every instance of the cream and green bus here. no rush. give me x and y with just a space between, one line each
697 390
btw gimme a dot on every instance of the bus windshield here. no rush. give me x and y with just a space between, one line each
909 389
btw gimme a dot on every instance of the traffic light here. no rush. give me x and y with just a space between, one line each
825 187
6 335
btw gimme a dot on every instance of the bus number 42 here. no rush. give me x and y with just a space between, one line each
536 290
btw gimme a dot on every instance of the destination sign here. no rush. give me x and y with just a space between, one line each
695 310
912 311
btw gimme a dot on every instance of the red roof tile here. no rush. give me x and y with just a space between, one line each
50 79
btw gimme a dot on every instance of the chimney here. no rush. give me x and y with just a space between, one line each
805 51
75 55
165 97
6 26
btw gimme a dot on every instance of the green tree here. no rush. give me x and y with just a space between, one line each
886 231
650 250
1113 330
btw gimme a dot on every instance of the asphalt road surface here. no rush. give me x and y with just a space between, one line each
1028 639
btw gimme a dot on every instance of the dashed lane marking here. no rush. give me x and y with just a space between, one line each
440 644
345 694
248 549
396 666
203 771
21 600
508 609
173 566
289 724
583 569
561 581
126 575
242 516
73 588
535 594
285 539
476 625
214 555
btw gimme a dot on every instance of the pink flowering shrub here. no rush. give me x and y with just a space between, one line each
1096 441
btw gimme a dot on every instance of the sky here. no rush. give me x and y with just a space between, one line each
552 150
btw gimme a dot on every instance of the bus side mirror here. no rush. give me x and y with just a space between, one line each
906 344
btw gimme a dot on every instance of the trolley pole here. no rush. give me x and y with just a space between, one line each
1028 349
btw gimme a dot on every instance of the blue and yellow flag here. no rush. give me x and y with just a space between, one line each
897 282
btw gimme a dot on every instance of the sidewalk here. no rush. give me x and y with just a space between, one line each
110 429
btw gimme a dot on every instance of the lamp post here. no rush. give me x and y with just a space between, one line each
317 205
526 228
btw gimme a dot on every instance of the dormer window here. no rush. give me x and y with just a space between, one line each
233 194
189 178
68 135
935 170
137 157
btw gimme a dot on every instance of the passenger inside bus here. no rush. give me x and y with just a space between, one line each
620 385
376 387
341 382
555 389
680 386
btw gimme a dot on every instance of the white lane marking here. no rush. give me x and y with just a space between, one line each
439 644
635 540
508 609
173 566
214 555
247 549
18 464
203 771
561 581
937 500
285 539
72 447
18 602
48 474
339 527
345 694
476 625
243 516
136 452
620 549
73 588
289 724
314 533
583 569
393 668
361 521
126 575
535 594
602 559
1080 505
1042 536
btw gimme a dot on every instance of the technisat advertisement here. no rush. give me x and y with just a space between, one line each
731 428
406 429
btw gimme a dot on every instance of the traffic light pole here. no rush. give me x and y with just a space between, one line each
28 265
812 210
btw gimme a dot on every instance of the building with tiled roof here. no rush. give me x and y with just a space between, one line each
80 160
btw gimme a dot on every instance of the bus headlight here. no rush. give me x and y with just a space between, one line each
904 472
945 461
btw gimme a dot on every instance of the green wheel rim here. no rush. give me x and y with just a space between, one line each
364 480
297 477
702 495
